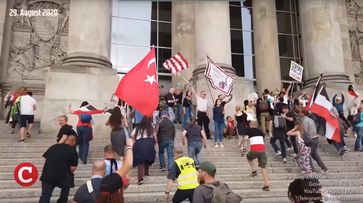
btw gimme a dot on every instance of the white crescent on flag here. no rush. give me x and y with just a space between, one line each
150 62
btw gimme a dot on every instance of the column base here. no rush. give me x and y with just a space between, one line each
72 84
86 60
328 78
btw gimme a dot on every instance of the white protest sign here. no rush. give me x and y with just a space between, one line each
296 71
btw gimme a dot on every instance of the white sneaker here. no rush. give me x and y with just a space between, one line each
284 160
216 146
221 145
293 155
289 149
278 153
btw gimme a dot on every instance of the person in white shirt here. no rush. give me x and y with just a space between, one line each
27 109
203 109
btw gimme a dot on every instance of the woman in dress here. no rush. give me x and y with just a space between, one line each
303 156
242 124
144 148
119 134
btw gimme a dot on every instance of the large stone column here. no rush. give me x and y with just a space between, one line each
267 60
85 74
322 40
183 32
212 37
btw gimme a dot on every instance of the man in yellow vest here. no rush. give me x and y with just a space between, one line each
184 172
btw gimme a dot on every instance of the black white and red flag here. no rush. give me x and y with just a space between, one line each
352 92
323 108
313 96
176 63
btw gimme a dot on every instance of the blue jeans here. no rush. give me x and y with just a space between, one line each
359 140
194 149
84 134
218 131
187 116
169 146
171 114
178 113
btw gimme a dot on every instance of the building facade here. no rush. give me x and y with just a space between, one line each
76 50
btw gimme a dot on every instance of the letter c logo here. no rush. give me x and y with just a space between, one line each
26 174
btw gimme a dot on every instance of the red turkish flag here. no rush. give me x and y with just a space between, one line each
139 88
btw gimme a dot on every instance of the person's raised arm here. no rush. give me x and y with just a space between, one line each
63 139
288 90
127 165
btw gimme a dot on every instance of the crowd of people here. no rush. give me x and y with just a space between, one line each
134 136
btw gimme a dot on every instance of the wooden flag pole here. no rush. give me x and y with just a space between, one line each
210 91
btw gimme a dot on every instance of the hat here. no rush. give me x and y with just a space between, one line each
208 167
111 183
164 114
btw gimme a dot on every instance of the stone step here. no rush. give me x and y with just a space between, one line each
159 196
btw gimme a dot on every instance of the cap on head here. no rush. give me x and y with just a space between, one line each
208 167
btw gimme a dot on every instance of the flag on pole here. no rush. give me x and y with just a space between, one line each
176 63
313 96
352 92
323 108
139 87
88 109
218 78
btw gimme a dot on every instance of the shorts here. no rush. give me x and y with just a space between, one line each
26 118
261 156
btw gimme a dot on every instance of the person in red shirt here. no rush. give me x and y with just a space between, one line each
84 127
257 151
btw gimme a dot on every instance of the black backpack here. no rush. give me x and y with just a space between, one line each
222 194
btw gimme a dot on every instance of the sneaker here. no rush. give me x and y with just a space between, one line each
140 182
290 149
253 174
284 160
12 130
325 169
341 152
221 145
266 188
345 148
216 146
293 155
163 169
278 153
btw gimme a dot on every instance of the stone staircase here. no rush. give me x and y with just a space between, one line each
344 180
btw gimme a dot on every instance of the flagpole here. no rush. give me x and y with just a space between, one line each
210 91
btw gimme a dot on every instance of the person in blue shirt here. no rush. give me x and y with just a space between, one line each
359 130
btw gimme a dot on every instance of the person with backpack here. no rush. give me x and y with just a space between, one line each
185 173
119 133
279 132
263 111
84 127
210 190
90 191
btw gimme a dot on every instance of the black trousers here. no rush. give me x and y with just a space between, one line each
181 195
203 120
47 190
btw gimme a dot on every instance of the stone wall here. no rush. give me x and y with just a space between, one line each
355 22
36 43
